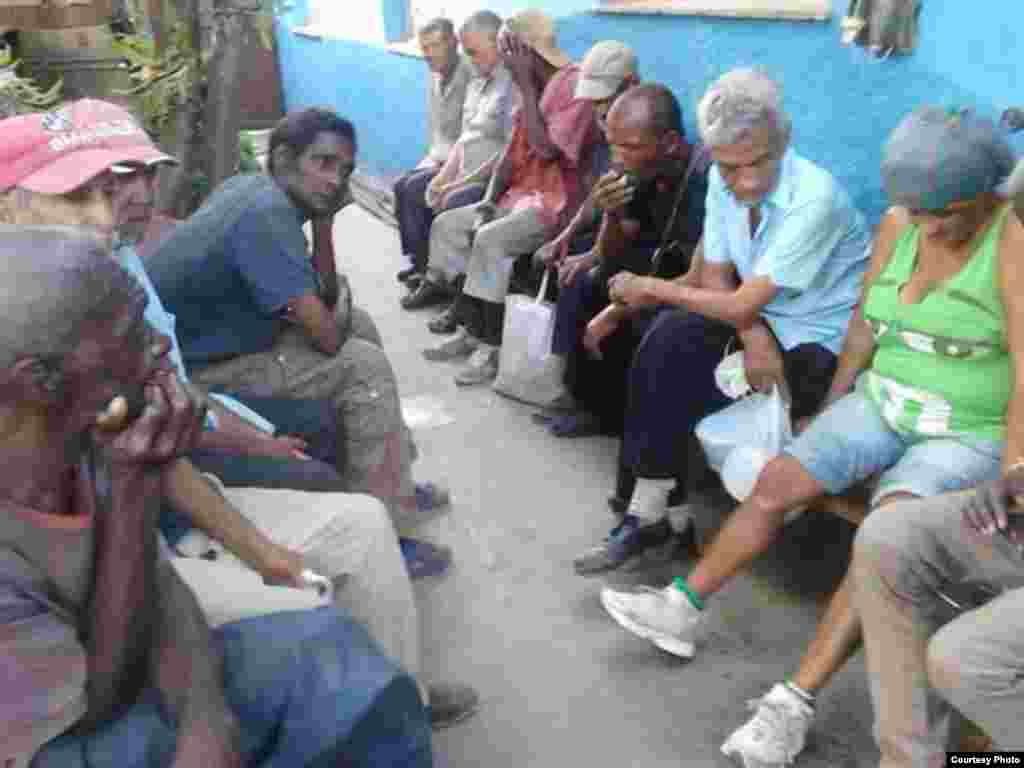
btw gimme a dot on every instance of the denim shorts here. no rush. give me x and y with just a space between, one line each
849 442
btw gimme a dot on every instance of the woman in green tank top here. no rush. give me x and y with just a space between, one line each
919 398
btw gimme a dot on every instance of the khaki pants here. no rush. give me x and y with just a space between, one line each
345 537
377 453
488 259
919 661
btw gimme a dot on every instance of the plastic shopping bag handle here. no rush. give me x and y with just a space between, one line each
543 287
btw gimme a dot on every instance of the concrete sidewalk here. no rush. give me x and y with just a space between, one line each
560 683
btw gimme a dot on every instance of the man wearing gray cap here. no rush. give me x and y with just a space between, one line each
536 187
928 396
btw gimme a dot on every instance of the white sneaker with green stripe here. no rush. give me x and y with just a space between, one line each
666 616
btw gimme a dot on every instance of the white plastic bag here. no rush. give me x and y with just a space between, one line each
527 370
741 438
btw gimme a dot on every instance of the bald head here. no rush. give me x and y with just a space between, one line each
55 280
652 107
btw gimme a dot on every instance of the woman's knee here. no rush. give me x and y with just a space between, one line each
782 484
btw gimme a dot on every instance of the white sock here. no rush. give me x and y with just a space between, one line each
650 499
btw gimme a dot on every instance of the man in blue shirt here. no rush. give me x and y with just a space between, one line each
256 314
784 256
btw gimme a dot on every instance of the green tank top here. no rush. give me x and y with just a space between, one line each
941 365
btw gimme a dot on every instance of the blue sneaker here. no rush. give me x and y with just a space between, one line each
423 559
625 541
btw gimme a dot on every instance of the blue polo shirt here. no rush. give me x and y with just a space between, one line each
164 322
229 271
811 243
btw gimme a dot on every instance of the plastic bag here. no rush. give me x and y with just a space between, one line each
742 438
527 370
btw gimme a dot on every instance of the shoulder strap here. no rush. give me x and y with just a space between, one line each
700 159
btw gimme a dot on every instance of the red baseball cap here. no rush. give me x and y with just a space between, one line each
56 152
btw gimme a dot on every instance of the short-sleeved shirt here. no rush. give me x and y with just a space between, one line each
553 186
811 243
444 110
45 572
164 322
229 271
487 117
651 208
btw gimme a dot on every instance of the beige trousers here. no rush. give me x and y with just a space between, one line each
348 538
924 658
487 259
378 450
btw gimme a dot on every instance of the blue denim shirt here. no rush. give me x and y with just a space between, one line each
811 243
164 322
229 271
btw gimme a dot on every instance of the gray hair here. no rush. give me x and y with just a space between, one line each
740 101
55 279
482 22
439 25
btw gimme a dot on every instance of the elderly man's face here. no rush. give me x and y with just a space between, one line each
116 355
438 49
133 201
88 207
750 166
636 147
319 180
482 50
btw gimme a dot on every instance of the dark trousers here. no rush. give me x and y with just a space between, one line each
310 689
312 420
415 216
671 387
599 386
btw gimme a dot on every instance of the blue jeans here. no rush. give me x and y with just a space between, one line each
850 441
309 688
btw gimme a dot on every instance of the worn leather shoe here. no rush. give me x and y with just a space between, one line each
427 294
450 703
408 272
446 322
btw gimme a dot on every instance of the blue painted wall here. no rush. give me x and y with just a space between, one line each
843 101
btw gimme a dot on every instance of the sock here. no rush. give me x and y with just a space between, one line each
649 499
805 696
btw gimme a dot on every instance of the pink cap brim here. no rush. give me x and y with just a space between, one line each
74 169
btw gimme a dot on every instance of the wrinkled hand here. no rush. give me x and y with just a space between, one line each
168 427
569 268
516 55
435 194
631 289
484 215
287 447
613 192
599 329
549 254
992 506
762 360
209 742
280 566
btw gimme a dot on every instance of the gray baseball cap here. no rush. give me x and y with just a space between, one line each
938 156
604 69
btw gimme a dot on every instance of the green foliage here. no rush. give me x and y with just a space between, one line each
161 82
247 162
19 95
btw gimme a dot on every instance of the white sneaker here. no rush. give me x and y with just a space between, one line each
777 732
666 617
